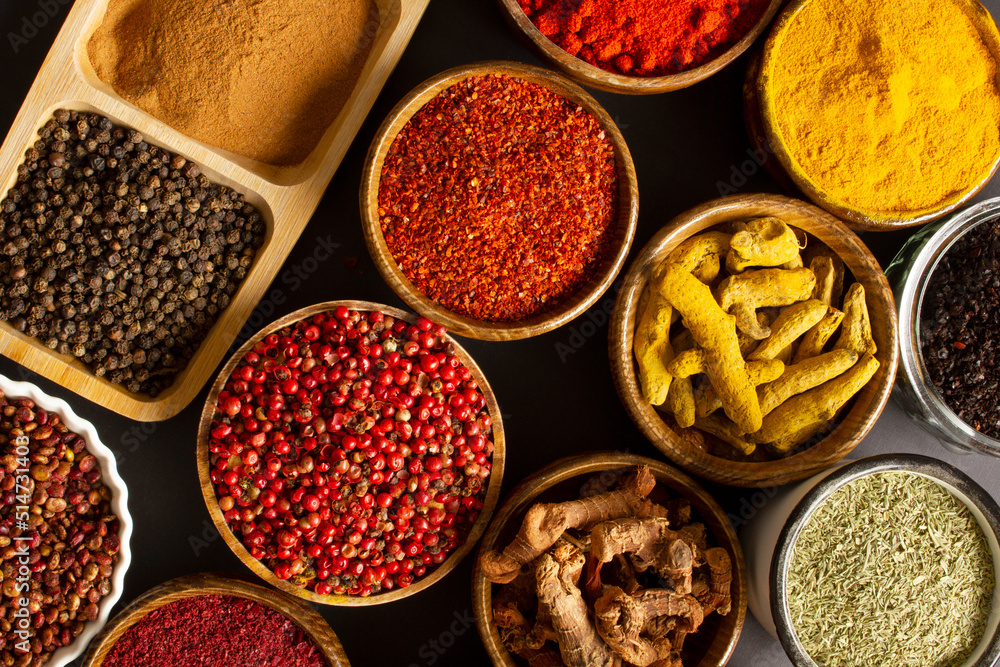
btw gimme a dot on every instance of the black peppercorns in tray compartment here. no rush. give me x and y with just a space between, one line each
118 253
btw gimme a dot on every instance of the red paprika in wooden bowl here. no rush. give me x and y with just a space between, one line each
351 454
639 46
204 619
499 199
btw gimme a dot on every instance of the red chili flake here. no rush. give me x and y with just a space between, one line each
644 37
214 631
498 198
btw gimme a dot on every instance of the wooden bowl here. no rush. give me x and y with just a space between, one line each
869 402
560 481
762 126
285 197
604 274
595 77
258 568
304 616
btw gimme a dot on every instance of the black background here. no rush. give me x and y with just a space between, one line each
686 145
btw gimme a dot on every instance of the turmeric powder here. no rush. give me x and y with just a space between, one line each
882 110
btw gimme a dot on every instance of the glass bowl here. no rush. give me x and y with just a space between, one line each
909 274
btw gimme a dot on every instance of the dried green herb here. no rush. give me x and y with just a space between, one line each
891 569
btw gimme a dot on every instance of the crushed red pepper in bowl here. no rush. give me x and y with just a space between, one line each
208 630
499 198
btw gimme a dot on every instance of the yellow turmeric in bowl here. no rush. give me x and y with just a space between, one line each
889 109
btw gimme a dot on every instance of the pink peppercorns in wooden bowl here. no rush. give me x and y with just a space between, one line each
351 454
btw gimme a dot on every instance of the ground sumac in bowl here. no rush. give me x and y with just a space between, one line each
214 630
58 535
960 329
498 199
350 451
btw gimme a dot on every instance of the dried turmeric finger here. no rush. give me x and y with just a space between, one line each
652 344
743 294
856 331
680 399
814 341
701 255
764 242
790 324
715 332
725 430
801 417
803 376
748 343
706 401
821 250
822 268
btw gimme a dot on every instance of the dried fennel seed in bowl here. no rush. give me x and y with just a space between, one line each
891 569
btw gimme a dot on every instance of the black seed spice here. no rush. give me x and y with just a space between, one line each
960 328
119 253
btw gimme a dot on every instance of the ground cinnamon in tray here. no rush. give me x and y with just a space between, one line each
262 79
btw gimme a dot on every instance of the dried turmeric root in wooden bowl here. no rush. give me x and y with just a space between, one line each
610 559
754 340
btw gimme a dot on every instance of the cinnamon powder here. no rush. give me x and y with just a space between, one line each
261 78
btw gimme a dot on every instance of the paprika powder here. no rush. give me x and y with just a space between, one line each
641 37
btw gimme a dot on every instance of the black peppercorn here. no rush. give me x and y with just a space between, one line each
84 231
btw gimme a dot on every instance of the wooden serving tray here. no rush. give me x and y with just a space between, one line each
285 196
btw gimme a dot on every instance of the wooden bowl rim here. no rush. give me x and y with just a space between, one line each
600 280
256 566
856 217
590 463
612 82
869 403
193 585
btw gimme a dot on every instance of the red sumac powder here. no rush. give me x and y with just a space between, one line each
498 198
214 631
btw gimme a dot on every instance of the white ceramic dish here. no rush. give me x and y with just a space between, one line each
769 541
119 504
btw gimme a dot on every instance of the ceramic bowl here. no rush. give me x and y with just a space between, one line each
119 504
